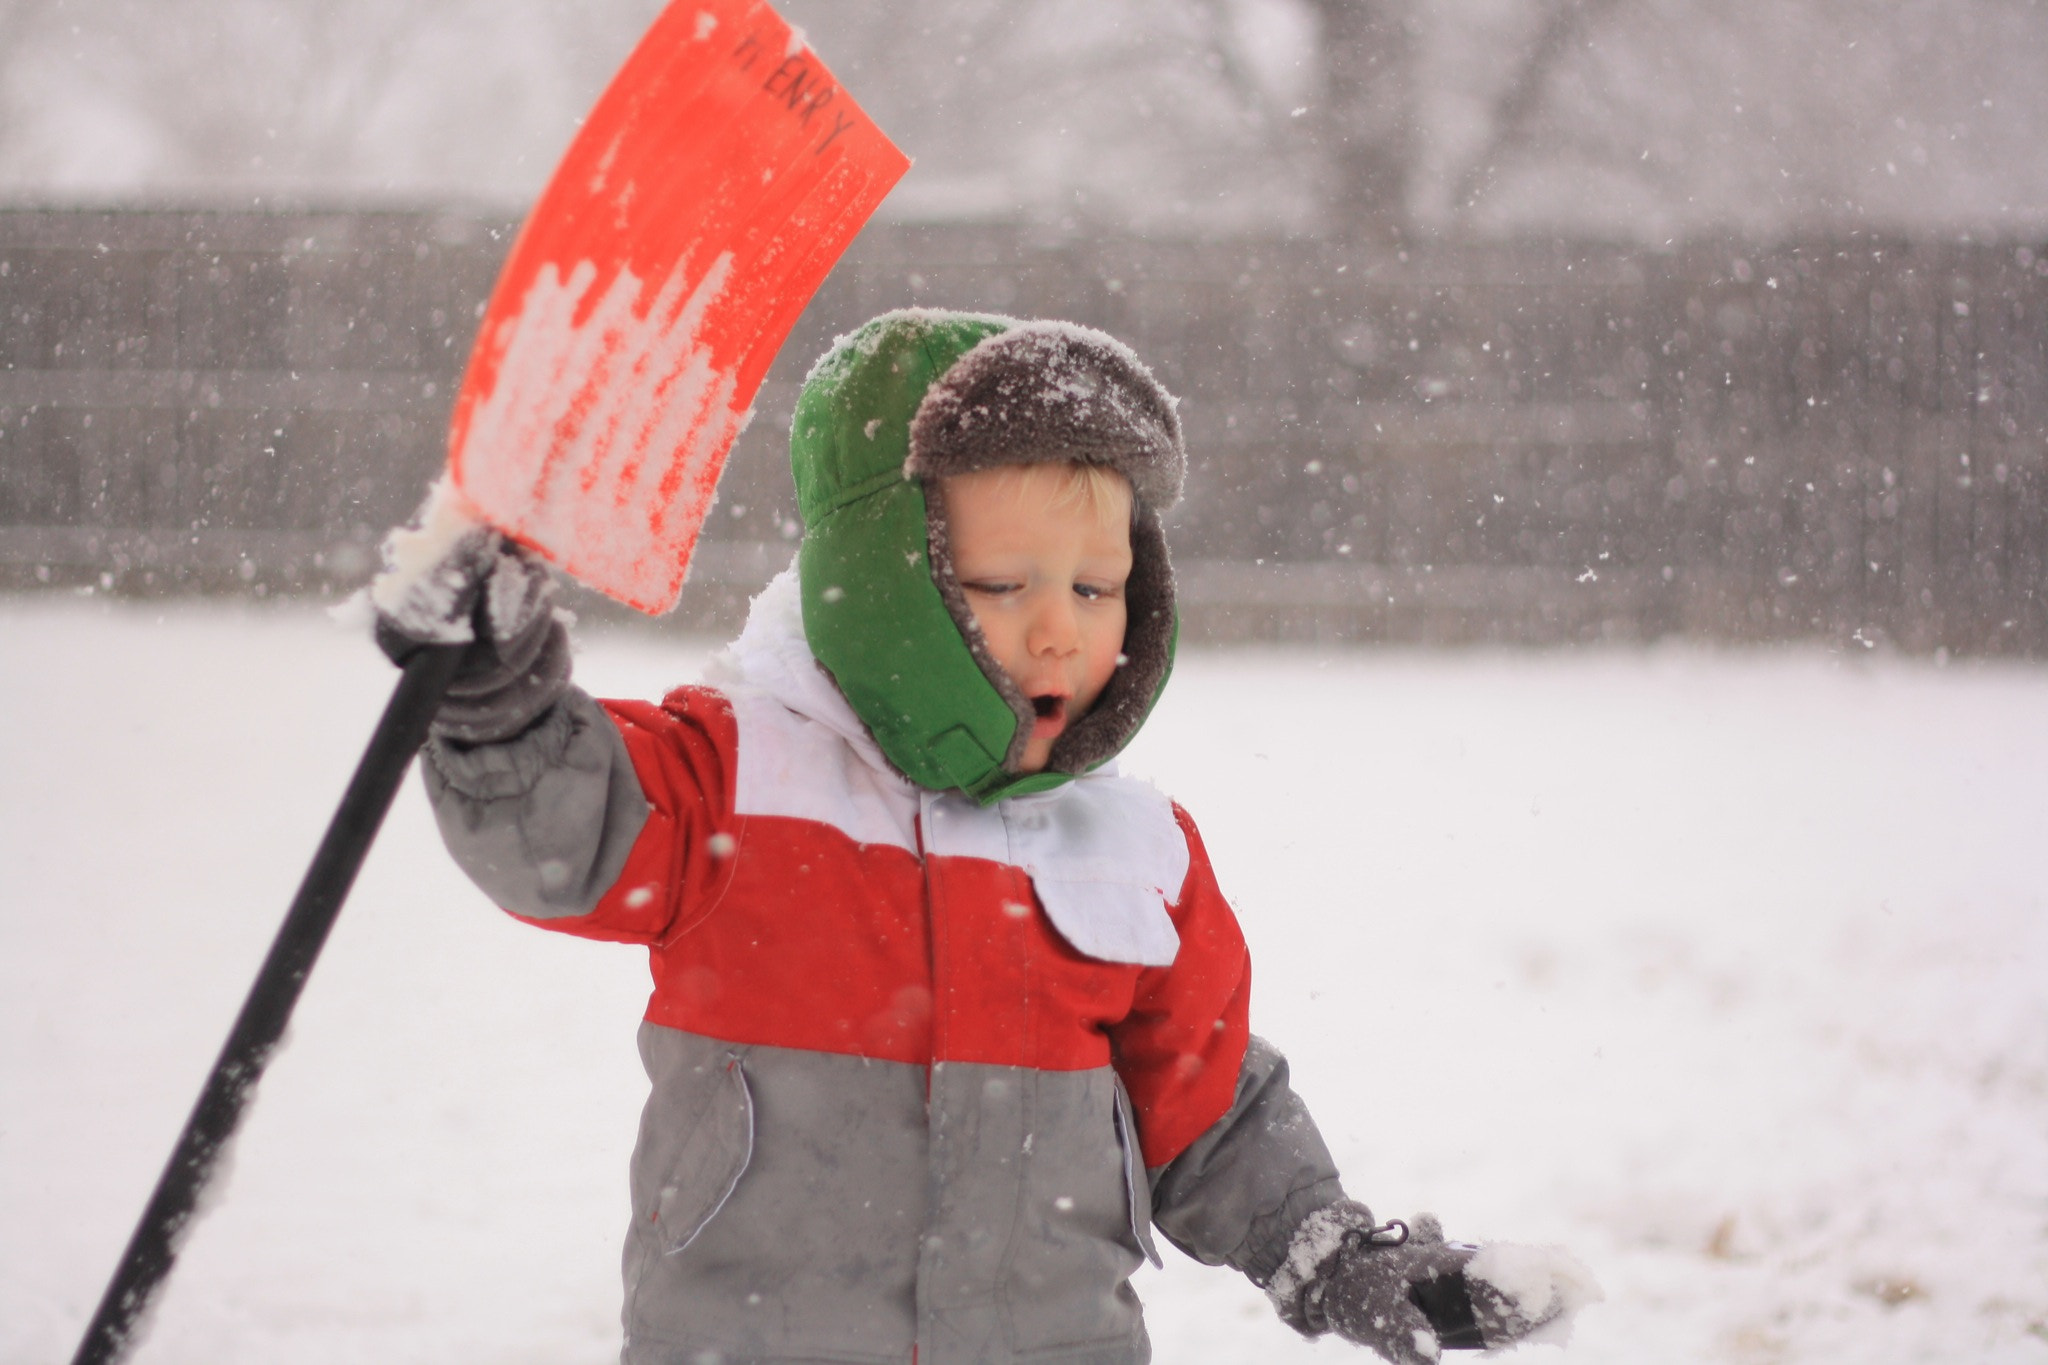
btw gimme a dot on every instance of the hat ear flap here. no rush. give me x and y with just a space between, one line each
939 537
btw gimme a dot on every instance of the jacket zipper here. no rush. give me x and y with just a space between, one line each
931 972
931 952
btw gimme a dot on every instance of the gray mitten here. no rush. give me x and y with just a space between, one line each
1408 1294
450 579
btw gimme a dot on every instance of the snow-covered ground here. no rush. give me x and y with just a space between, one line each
1728 971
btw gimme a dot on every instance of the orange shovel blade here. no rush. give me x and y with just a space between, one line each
721 174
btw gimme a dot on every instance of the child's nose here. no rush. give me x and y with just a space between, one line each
1054 629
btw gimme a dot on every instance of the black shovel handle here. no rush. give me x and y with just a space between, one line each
154 1246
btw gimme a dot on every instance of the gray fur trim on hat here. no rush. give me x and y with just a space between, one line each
1051 391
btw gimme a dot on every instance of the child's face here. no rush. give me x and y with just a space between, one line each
1043 567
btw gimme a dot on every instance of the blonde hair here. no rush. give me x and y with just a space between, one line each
1100 489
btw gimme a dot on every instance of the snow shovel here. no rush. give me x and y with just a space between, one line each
714 184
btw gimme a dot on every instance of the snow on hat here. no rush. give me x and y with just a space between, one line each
1045 391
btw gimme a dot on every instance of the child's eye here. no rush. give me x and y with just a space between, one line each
1094 592
993 587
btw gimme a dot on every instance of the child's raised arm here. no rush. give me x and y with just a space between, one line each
530 780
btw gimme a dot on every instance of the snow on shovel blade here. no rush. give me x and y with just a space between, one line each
705 199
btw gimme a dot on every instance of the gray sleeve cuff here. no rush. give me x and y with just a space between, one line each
543 821
1237 1194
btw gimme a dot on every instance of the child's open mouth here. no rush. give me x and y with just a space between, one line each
1051 710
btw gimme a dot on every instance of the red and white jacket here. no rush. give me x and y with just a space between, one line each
925 1072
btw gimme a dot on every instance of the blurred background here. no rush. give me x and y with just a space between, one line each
1495 320
1703 343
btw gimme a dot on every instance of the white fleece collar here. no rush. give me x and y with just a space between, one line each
772 656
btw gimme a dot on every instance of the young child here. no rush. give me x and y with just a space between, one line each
947 1015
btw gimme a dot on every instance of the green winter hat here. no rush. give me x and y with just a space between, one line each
914 396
